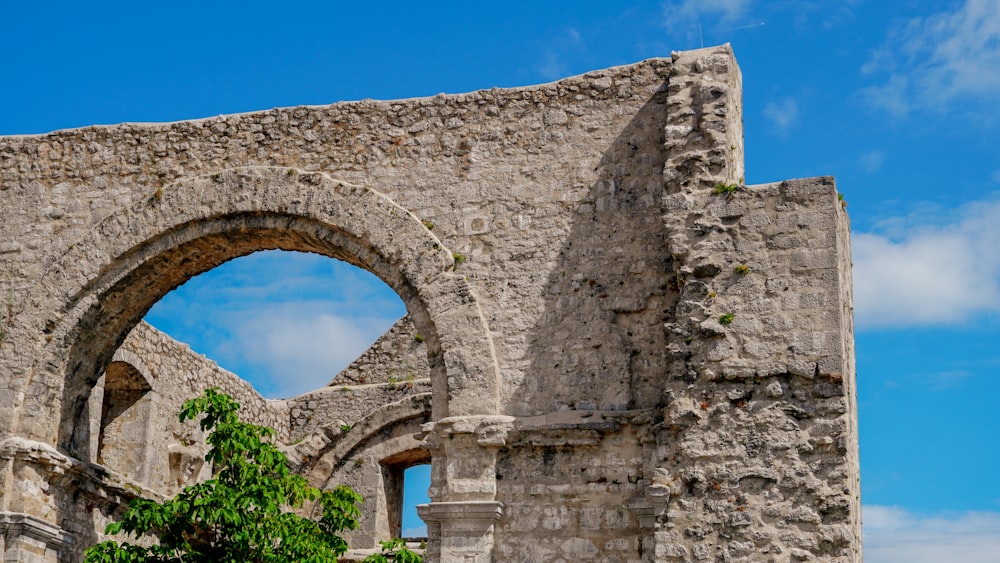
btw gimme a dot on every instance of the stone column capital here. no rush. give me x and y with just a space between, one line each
26 532
651 505
488 430
466 515
460 531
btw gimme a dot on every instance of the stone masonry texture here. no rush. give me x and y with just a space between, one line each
614 349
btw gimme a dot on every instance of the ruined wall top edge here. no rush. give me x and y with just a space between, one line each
478 93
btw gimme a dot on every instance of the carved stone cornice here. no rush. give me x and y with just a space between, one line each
16 524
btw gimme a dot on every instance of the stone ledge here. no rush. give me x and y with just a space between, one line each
13 524
466 514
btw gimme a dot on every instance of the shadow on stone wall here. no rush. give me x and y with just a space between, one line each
608 295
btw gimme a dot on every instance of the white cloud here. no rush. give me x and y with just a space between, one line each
937 61
920 273
301 350
894 535
682 18
553 65
782 113
287 322
872 160
893 97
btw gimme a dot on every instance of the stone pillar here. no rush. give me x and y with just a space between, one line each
463 506
650 510
703 135
460 531
27 518
27 539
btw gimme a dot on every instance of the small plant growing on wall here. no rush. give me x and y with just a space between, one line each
726 319
726 189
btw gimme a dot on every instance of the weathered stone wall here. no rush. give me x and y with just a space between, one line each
399 355
615 362
157 455
175 374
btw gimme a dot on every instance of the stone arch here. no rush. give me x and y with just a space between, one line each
371 457
126 362
104 284
136 363
124 420
319 464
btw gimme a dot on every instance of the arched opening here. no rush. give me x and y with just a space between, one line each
374 457
122 305
102 286
403 475
126 415
287 322
284 322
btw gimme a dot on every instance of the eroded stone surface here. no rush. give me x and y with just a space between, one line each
603 358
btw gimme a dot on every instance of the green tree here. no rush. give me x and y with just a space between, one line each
243 513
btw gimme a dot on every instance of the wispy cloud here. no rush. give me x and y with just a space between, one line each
920 271
944 380
872 160
295 350
286 322
682 18
552 66
565 46
782 113
894 535
939 61
810 14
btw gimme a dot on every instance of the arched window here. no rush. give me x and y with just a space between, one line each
406 477
126 415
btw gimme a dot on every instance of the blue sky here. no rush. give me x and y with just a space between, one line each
896 99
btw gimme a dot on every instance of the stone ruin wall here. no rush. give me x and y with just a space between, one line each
160 455
577 394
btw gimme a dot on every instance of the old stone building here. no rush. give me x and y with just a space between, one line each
624 353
